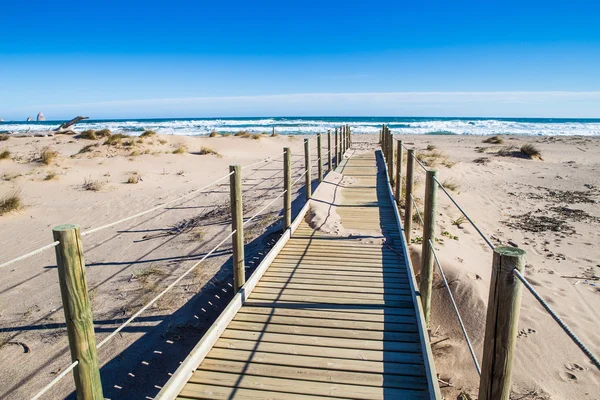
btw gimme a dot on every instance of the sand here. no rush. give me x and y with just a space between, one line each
129 263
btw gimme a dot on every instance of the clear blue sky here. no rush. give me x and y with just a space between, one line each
196 58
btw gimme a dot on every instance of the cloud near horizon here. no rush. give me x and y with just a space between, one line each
550 104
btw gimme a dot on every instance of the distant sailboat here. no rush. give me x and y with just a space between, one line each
40 117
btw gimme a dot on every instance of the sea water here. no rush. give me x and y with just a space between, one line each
313 125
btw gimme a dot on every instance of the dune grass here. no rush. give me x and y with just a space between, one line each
459 221
214 133
92 185
87 148
47 155
103 133
134 179
494 140
148 133
181 149
115 139
431 147
89 134
531 151
5 154
207 150
50 176
11 202
450 185
3 138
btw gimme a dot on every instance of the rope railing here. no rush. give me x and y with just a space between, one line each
133 317
558 320
460 321
464 213
498 253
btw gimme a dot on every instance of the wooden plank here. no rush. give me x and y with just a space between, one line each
201 391
326 332
403 326
323 281
384 309
319 351
329 363
356 315
324 296
314 374
316 273
282 385
280 287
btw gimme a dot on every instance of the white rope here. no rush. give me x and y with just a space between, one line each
465 214
417 210
134 316
55 380
154 208
300 177
460 321
264 208
560 322
266 160
30 254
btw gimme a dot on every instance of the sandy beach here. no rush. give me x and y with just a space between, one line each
550 207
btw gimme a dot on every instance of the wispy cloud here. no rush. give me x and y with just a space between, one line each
508 103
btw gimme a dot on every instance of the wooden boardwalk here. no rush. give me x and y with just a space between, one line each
332 316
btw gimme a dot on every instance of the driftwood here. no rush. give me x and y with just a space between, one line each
64 128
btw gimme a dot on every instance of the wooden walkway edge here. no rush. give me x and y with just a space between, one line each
323 315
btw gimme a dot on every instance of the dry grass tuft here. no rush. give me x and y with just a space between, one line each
162 141
50 176
3 138
115 139
482 160
5 155
10 176
87 148
494 140
431 159
431 147
448 163
148 133
134 153
103 133
214 134
257 136
10 203
531 151
459 221
450 185
207 150
92 185
89 134
244 134
134 178
181 149
47 155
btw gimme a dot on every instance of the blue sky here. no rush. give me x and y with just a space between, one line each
113 59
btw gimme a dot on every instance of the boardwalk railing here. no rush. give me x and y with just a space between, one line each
71 264
506 283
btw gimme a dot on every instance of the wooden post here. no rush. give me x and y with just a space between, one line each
237 225
428 235
343 139
78 312
381 134
398 171
307 179
339 149
329 149
501 324
408 204
320 157
337 160
273 134
391 174
287 186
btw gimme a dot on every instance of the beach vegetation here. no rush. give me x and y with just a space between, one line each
449 235
482 160
162 141
450 185
207 150
5 154
459 221
417 240
134 153
89 134
11 202
50 176
181 149
430 159
3 138
87 148
103 133
9 176
92 185
148 133
531 151
244 134
274 134
115 139
47 155
448 163
134 179
257 136
431 147
214 133
494 140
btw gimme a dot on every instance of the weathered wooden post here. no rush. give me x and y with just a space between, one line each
307 179
398 171
428 240
273 134
337 160
343 139
381 134
287 186
320 157
339 153
329 149
78 311
501 324
391 174
237 225
408 204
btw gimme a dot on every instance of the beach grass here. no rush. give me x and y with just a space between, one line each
11 202
5 154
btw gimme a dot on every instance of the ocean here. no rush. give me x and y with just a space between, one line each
313 125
